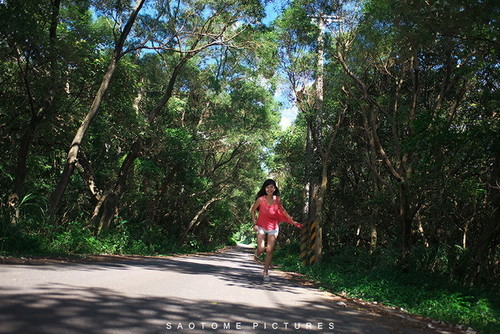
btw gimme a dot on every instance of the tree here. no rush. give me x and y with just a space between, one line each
308 38
219 28
421 54
417 153
77 140
39 94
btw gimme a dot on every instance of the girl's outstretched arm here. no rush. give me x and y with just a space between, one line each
286 215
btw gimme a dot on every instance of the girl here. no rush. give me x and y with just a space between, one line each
271 213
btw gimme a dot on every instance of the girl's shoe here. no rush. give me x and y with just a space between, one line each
266 278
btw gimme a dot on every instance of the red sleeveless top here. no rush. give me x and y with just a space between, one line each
270 215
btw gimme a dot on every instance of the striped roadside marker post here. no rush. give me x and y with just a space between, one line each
304 244
308 243
312 243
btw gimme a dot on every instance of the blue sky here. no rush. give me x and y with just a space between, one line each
288 111
272 10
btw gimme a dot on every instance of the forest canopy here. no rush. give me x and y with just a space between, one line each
144 126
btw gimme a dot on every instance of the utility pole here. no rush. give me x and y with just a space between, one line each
315 194
309 210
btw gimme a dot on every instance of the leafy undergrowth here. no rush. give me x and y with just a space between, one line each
77 239
424 294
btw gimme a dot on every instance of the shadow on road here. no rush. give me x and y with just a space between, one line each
77 308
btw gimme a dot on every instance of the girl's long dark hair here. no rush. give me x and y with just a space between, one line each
262 190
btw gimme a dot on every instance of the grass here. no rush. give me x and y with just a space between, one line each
424 294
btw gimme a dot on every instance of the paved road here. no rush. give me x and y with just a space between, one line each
194 294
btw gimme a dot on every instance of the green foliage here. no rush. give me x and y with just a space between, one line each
245 234
202 142
378 278
417 150
76 239
21 239
31 237
201 109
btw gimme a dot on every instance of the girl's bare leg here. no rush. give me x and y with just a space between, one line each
261 245
271 240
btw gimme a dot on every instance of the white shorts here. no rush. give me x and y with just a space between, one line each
268 232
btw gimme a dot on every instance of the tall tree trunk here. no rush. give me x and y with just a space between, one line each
186 54
375 172
306 209
406 219
112 203
195 221
87 175
315 123
489 237
21 171
108 207
320 212
80 133
402 173
37 115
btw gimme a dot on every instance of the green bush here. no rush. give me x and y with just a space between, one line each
40 238
75 240
382 278
22 239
